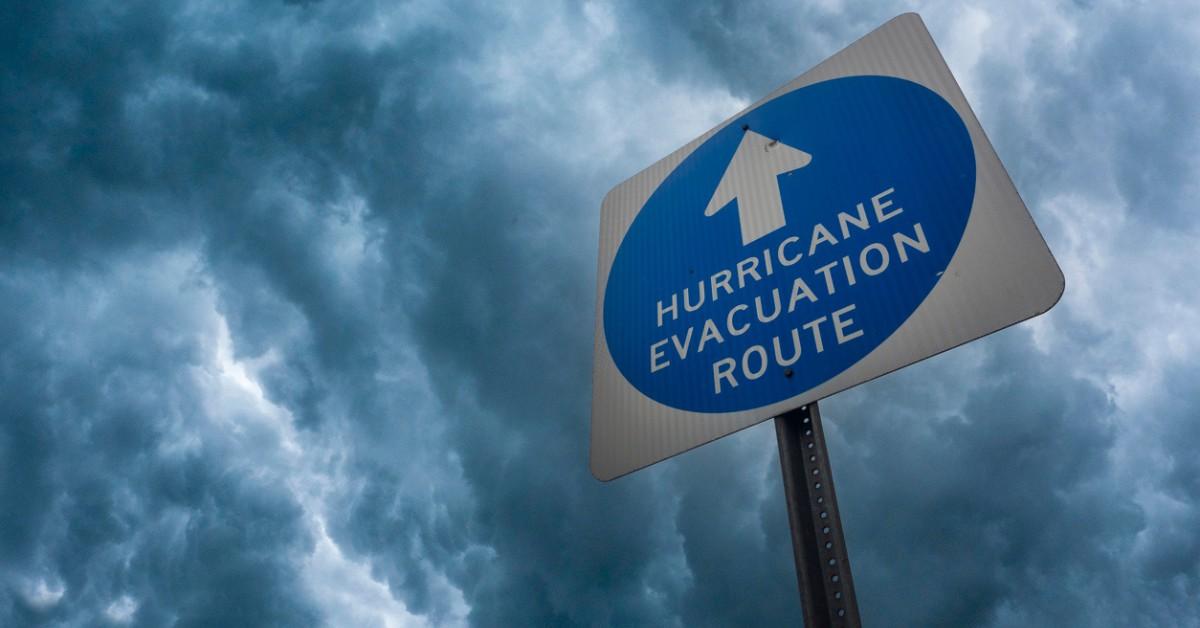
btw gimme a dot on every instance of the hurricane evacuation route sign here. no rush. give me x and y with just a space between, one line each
853 222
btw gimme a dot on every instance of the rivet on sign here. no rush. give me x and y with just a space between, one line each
787 372
745 127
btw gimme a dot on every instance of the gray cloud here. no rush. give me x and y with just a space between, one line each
302 315
116 481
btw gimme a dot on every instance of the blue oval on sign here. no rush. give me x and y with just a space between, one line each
718 302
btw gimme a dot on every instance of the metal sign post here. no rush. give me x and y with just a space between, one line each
822 563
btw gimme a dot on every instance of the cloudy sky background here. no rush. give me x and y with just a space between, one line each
298 308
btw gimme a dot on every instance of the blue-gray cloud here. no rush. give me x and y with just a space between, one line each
298 324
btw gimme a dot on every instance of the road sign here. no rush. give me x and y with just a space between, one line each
854 221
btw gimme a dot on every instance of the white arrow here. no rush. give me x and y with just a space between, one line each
750 177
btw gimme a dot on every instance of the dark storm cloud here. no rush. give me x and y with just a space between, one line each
1106 105
111 485
120 144
747 47
957 510
500 331
392 211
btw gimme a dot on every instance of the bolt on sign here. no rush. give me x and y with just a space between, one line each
853 222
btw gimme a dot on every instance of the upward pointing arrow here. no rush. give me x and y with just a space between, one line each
750 177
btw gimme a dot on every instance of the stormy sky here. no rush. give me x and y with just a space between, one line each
298 304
